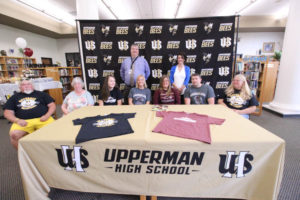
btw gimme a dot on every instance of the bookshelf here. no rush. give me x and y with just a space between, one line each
66 75
261 75
12 67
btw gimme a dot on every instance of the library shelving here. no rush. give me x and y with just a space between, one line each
261 75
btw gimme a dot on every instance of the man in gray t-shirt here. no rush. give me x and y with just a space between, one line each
199 93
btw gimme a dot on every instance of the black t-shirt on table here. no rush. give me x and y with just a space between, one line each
29 106
115 95
103 126
235 101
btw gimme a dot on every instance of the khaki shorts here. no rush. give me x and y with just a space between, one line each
32 125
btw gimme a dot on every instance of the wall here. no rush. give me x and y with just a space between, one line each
251 42
69 45
42 46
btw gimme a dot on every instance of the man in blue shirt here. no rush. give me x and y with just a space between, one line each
131 68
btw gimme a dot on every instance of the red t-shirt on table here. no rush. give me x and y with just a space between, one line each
186 125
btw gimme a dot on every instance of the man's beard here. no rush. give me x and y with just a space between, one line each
28 91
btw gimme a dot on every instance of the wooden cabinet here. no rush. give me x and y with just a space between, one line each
65 75
56 94
261 75
270 81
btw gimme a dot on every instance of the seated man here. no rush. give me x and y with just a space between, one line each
29 110
199 93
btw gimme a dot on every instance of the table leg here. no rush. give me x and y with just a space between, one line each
142 197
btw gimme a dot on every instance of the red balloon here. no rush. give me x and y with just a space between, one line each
28 52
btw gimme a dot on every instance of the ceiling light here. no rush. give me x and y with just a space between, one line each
170 8
236 7
49 9
109 9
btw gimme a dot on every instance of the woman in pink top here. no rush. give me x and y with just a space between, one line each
166 94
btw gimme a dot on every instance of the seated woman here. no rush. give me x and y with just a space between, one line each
238 97
110 93
77 98
140 94
166 94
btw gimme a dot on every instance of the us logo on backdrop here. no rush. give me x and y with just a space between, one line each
207 42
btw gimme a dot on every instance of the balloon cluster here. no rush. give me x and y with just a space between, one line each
21 43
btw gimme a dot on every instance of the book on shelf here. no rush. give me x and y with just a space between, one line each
254 75
13 74
27 61
11 61
253 84
239 67
63 72
13 67
75 72
64 80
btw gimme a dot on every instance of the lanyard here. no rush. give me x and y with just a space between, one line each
132 62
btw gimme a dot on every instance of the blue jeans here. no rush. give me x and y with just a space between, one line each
245 116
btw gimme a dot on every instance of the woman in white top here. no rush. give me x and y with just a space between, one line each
77 98
180 75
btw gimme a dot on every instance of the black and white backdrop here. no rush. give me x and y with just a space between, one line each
207 42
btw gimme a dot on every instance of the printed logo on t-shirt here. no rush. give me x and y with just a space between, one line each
110 100
236 101
185 119
198 97
139 98
106 122
75 103
28 103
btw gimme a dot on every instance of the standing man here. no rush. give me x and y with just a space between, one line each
29 110
199 93
131 68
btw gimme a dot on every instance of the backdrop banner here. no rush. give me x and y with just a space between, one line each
207 42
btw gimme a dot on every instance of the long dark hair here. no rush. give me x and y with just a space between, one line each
161 84
105 93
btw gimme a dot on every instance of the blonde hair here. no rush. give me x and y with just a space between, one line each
245 92
161 84
137 78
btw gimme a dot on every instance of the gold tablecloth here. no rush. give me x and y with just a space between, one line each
243 161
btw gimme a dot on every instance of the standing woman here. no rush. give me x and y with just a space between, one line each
140 94
110 93
180 75
238 97
77 98
165 94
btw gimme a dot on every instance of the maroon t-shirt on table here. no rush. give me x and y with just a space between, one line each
186 125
